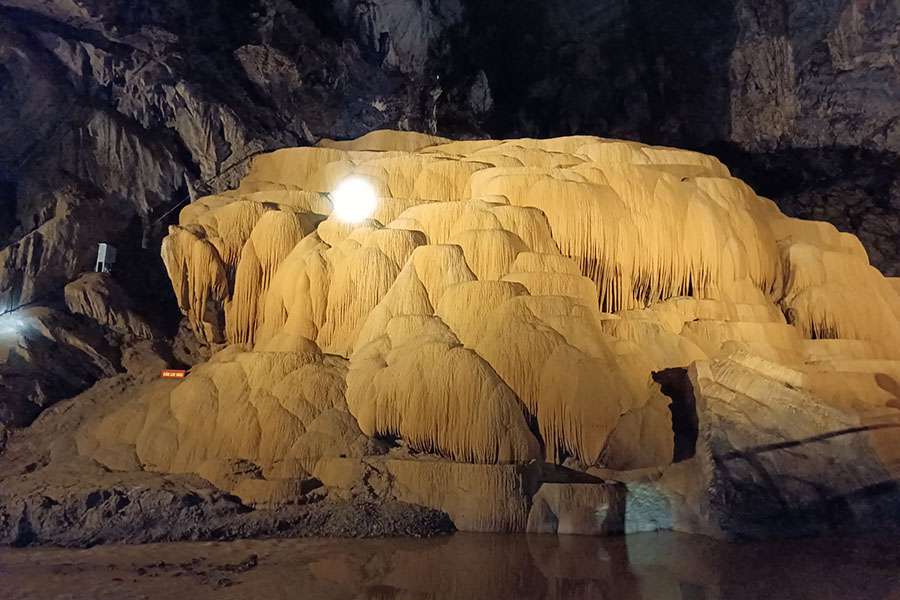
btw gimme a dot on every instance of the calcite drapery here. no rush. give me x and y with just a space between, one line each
508 301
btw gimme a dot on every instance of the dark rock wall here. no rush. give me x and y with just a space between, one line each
110 109
815 113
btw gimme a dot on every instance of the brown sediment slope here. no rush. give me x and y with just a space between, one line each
486 344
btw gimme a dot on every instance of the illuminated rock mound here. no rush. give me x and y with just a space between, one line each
509 302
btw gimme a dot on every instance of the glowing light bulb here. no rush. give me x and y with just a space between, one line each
354 200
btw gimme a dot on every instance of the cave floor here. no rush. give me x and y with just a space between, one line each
468 566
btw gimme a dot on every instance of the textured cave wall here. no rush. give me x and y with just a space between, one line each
815 113
124 102
108 109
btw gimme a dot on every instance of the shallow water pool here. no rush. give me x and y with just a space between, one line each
465 567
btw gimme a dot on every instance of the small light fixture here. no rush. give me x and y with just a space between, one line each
354 200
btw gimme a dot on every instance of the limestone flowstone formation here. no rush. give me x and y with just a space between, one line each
516 314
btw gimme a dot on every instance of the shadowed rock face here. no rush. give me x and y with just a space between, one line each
48 355
98 297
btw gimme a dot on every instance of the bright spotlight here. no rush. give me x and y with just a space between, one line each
354 200
10 324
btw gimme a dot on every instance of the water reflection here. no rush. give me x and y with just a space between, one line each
663 566
468 567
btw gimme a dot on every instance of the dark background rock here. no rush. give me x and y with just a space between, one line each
99 297
110 110
47 355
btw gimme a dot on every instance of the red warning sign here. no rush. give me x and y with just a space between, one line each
173 374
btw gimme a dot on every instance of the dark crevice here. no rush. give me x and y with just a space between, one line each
676 384
142 274
8 220
390 440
